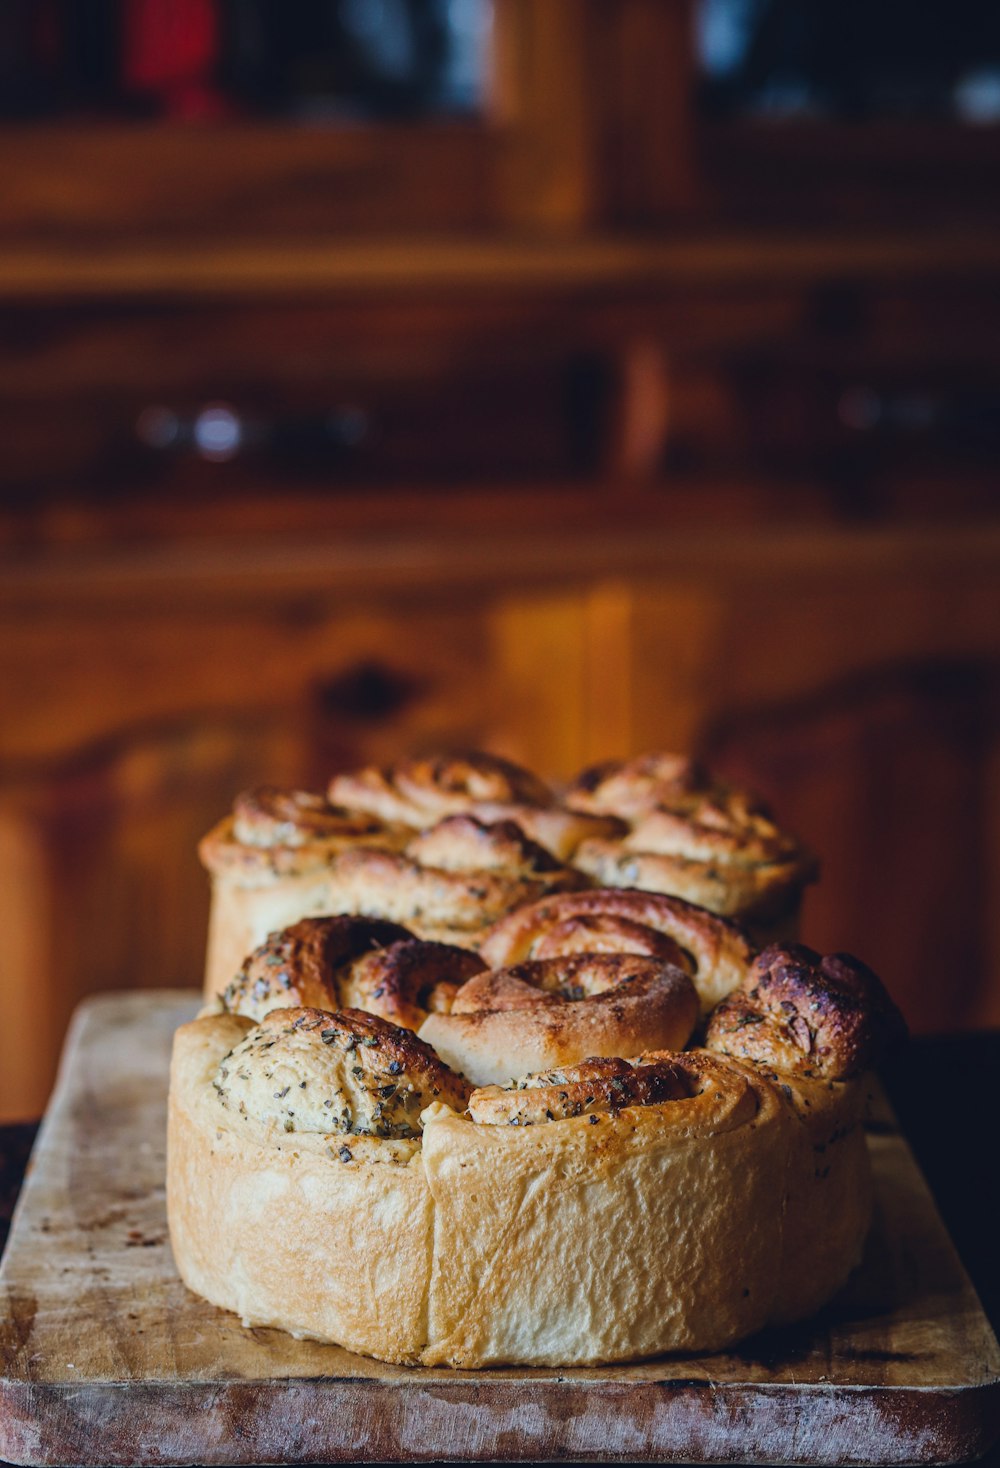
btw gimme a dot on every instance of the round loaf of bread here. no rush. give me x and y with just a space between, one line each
602 1210
445 1240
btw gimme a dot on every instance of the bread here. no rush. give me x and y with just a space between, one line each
421 792
446 1114
715 952
269 862
450 882
285 1203
350 962
559 1011
475 1243
815 1027
692 836
330 1175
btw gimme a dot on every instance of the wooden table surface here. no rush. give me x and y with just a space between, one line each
944 1093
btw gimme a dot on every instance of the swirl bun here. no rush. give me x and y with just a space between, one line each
271 817
599 1088
800 1014
714 950
341 1074
629 788
350 962
451 881
421 792
270 861
814 1026
559 1011
418 792
691 836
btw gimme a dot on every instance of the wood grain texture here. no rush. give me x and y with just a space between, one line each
107 1359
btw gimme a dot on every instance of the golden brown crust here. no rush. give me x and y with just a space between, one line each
452 880
719 953
802 1014
350 962
628 788
692 836
606 1087
277 831
559 1011
420 792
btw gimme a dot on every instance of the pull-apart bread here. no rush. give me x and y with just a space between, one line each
588 1190
694 836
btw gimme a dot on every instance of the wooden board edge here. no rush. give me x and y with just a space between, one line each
350 1420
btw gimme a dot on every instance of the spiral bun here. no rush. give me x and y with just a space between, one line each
814 1026
559 1011
450 881
692 836
603 1088
350 962
270 861
800 1014
629 788
714 950
421 792
278 830
346 1073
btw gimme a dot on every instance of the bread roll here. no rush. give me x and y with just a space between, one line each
559 1011
269 862
421 792
350 962
716 952
450 882
296 1192
815 1026
693 836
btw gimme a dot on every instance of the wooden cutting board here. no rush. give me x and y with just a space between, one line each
108 1359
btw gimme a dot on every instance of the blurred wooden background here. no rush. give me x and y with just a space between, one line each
576 427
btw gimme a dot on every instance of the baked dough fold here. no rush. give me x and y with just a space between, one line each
693 836
716 951
559 1011
420 792
269 862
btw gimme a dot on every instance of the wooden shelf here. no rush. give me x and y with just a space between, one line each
216 267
